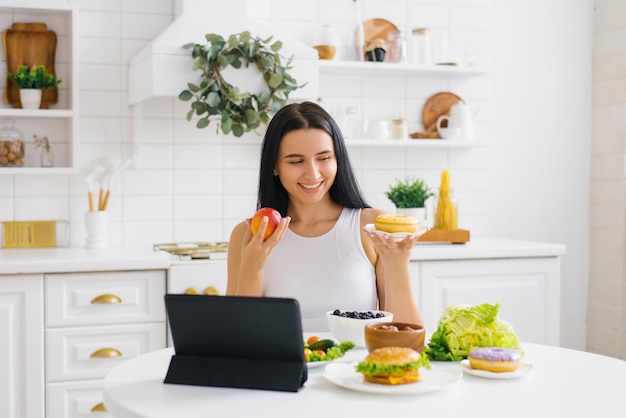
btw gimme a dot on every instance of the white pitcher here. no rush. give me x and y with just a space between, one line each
460 117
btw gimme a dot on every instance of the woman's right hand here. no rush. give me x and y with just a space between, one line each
255 250
247 255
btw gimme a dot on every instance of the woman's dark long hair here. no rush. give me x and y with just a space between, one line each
306 115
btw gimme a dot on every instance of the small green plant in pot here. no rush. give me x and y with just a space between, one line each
31 81
409 193
35 77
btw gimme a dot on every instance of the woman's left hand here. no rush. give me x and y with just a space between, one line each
393 253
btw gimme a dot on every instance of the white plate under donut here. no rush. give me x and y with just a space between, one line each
522 370
397 236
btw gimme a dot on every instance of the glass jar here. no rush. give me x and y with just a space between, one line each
396 47
11 145
353 128
420 47
399 128
325 42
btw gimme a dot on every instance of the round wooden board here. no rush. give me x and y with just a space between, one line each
379 29
438 104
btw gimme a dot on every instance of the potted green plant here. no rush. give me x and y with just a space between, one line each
409 196
215 98
31 81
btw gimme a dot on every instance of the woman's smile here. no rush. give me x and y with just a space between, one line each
311 187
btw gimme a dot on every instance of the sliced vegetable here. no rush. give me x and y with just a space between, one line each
322 345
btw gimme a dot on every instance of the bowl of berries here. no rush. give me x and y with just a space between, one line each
347 325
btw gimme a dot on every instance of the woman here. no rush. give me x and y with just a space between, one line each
320 253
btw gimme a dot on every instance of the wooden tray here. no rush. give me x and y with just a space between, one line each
456 236
29 44
438 104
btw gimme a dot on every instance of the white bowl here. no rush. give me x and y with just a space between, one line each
353 329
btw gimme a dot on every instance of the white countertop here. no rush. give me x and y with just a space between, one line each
478 248
57 260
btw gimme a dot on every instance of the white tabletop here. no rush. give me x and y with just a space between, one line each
562 383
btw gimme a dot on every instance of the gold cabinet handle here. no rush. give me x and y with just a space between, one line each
211 290
106 298
192 291
99 408
106 352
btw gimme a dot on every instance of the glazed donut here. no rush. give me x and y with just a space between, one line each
494 359
396 223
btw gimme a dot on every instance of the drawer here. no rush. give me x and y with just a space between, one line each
90 352
198 276
105 298
78 399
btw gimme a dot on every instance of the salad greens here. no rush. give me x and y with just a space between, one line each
463 328
331 353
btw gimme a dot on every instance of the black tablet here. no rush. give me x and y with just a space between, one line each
236 341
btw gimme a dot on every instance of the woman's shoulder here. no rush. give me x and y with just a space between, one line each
369 214
237 232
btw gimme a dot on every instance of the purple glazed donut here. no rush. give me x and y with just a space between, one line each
494 359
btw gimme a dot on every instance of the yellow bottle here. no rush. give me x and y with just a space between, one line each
445 213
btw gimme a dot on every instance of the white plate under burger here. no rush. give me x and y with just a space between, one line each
522 370
345 375
397 236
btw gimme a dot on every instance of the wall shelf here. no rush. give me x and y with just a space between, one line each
414 143
387 69
36 170
60 122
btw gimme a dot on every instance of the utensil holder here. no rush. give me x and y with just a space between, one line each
96 224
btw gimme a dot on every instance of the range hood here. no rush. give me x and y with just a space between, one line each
163 67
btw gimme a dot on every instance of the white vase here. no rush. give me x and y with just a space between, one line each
419 213
30 98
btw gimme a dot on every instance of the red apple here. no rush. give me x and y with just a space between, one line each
272 215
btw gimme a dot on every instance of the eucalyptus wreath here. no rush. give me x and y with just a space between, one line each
240 112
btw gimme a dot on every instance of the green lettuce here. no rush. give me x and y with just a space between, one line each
463 328
373 368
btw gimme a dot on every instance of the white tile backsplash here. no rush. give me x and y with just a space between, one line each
100 24
189 182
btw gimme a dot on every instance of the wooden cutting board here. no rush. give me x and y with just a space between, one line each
29 44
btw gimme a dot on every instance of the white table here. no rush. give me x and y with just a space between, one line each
562 383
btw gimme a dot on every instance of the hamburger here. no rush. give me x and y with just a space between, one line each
392 366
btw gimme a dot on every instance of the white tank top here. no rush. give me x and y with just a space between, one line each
323 273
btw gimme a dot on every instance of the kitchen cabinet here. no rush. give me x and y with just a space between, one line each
60 122
95 321
21 352
527 290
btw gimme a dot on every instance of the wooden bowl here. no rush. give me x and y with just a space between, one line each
394 334
325 52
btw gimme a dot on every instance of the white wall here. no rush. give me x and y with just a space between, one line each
540 131
531 182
